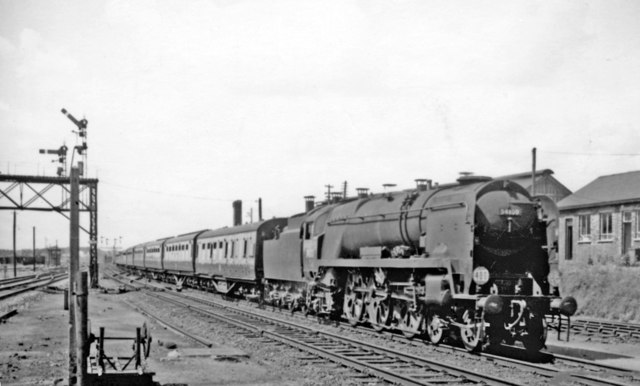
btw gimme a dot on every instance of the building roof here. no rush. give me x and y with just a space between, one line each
605 190
546 184
524 179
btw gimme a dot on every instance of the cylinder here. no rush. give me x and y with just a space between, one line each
237 213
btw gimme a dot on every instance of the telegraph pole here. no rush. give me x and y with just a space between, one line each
328 186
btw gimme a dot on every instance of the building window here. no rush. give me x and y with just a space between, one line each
606 226
636 235
584 224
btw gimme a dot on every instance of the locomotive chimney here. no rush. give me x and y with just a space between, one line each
422 184
336 196
237 213
309 203
362 192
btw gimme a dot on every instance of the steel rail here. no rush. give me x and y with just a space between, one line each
19 283
602 328
4 282
351 353
48 281
165 323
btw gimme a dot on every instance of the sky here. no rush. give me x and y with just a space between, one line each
193 104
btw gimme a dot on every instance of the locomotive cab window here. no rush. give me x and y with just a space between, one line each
307 230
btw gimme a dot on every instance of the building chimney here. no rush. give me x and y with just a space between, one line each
362 192
259 209
309 203
237 213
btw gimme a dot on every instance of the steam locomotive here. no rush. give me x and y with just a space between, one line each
468 259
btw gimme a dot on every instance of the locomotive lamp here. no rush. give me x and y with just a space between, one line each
492 304
567 306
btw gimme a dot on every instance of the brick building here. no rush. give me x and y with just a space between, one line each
601 221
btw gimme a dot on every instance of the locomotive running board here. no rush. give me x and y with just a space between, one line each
395 263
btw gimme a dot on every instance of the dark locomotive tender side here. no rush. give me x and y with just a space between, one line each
470 258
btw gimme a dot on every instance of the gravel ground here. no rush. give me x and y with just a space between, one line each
458 359
286 365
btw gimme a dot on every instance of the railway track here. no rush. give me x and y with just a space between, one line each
19 287
390 365
5 282
577 370
369 360
603 329
559 367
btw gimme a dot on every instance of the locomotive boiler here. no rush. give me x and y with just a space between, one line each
467 258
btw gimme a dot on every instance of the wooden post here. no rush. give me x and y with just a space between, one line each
74 246
82 303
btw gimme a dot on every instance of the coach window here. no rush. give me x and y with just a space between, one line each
244 253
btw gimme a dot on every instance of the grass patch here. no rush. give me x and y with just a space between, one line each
603 291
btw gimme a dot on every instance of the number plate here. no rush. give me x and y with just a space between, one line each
512 212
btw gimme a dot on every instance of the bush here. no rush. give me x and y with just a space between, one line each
603 291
